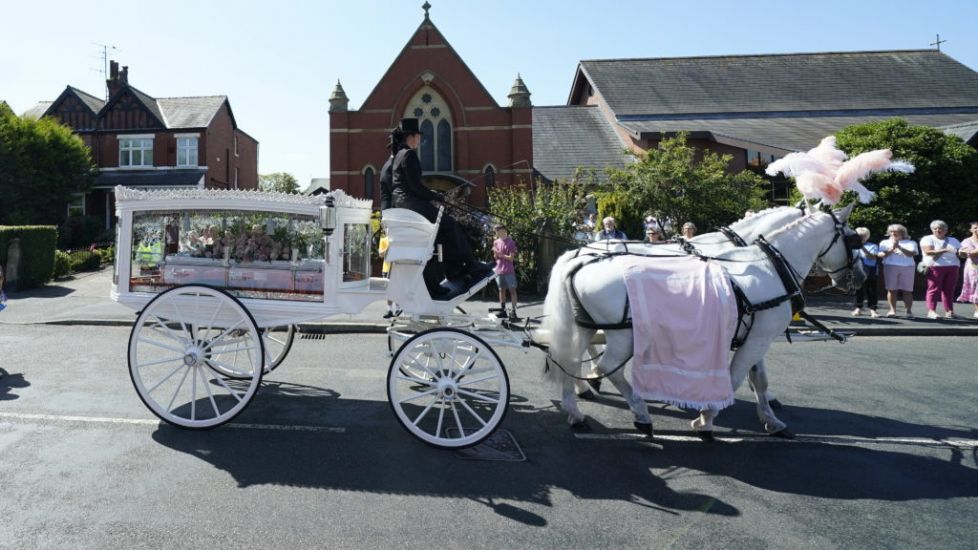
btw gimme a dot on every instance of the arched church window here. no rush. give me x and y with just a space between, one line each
435 118
427 146
444 146
368 183
489 177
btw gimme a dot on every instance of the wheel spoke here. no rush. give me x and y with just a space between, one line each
165 378
210 324
425 411
161 345
167 331
193 395
458 421
477 396
477 380
160 362
228 388
176 391
414 362
473 413
418 395
223 365
223 334
410 378
177 311
441 417
210 395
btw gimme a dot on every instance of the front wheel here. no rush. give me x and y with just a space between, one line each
448 388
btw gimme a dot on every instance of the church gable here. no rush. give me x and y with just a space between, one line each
415 67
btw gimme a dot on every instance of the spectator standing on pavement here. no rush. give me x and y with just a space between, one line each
897 253
868 254
609 231
969 285
3 297
942 270
504 251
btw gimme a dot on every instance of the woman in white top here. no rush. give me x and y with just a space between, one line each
943 266
897 254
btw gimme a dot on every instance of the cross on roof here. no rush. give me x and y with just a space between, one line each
938 43
426 6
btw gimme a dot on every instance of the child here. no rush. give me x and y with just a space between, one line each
869 255
504 251
382 247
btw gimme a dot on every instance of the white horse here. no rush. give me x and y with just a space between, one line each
818 238
709 244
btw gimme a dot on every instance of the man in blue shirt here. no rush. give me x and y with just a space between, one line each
868 254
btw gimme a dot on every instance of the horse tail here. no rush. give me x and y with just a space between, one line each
560 332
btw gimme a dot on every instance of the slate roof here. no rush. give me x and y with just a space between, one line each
93 103
149 178
912 79
967 131
568 137
149 102
38 110
190 112
784 133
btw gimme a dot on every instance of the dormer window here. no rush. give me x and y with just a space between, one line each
135 152
187 151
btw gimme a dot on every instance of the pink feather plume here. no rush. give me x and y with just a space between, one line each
866 164
828 153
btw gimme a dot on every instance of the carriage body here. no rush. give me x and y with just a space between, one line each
269 250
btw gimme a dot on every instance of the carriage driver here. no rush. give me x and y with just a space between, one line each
461 267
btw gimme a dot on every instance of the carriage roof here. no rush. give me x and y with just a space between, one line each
129 199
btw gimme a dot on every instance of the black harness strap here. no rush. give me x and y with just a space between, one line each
732 236
581 317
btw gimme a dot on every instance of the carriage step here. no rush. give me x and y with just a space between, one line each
501 446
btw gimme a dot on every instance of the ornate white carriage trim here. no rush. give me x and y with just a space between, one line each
340 198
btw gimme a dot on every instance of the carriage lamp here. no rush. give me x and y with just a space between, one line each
327 217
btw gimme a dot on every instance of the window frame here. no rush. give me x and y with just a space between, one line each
193 147
129 144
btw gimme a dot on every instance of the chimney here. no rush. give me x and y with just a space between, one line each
124 76
114 82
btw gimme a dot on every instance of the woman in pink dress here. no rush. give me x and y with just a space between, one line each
969 251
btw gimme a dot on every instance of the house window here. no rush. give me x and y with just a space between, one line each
187 151
368 183
235 177
135 152
235 145
76 206
489 177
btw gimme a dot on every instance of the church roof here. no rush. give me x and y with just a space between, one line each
967 131
815 82
568 137
783 134
37 111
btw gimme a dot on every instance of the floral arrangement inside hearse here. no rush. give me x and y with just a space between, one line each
254 254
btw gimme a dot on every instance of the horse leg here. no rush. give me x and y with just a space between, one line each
771 398
616 354
568 402
703 424
772 425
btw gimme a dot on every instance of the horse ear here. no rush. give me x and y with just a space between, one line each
844 213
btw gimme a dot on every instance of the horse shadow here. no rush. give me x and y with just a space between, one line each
375 455
9 382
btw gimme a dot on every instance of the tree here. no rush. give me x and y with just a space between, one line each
675 181
282 182
42 164
943 186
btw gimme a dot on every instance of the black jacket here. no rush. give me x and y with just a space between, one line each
409 192
387 184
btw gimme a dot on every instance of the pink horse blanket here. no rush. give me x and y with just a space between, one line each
684 314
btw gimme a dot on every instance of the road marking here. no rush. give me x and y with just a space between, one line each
149 422
828 439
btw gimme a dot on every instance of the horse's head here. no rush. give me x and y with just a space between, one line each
839 260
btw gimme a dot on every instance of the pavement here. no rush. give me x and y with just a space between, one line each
83 299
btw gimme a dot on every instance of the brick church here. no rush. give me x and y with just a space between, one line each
756 108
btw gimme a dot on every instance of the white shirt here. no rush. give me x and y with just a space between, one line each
948 258
898 258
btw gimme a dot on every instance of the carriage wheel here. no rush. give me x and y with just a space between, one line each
278 341
176 352
462 396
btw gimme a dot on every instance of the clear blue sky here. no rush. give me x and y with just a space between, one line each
278 61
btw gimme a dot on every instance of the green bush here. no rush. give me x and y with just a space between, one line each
106 255
85 261
62 264
80 232
37 245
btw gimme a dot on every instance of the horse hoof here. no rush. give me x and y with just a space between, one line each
645 428
581 426
706 436
783 434
595 384
775 404
587 395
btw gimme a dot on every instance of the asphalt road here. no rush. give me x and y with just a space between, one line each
886 458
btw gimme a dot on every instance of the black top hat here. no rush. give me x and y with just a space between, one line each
409 126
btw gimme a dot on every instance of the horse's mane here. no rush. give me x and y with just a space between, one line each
759 213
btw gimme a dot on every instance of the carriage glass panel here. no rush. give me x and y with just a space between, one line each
264 255
356 252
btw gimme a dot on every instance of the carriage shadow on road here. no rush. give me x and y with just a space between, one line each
375 455
9 382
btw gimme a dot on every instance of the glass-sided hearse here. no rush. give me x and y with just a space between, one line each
219 279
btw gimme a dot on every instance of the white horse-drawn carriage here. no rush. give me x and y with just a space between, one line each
221 278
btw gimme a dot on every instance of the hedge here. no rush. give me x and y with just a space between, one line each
37 245
84 261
